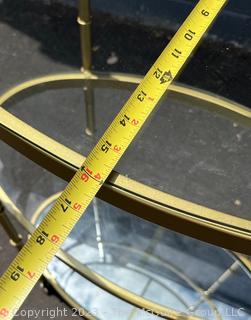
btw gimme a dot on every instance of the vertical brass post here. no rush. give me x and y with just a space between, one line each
89 108
84 21
15 238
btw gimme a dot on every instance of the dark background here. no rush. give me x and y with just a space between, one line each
136 32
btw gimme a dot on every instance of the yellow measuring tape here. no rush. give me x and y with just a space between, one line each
25 270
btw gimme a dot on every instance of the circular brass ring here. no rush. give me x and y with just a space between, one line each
47 202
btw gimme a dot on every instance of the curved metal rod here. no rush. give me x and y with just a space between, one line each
174 270
100 281
210 101
141 272
148 203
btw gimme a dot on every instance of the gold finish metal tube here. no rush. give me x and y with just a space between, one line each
15 238
84 21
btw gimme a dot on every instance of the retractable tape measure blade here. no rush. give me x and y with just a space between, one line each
27 267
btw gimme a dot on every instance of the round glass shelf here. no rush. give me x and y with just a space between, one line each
185 149
195 147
